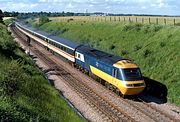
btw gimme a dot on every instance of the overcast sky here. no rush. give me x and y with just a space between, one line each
158 7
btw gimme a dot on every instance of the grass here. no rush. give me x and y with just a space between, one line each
155 48
25 94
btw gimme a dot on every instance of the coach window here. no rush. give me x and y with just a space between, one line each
79 56
65 49
71 52
59 46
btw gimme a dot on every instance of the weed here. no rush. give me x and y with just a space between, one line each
124 52
146 53
137 47
162 44
177 24
112 47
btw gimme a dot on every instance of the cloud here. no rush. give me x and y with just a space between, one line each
171 7
160 4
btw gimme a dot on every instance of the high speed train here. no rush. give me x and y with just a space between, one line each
118 74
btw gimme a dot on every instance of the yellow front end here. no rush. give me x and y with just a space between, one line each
125 87
133 87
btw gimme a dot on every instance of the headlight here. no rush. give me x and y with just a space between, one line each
130 85
135 85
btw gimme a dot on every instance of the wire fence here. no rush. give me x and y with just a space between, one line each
125 19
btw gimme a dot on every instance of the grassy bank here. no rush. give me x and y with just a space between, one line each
153 47
25 94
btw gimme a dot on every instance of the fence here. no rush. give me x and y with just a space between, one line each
125 19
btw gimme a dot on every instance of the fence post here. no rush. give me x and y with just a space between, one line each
119 19
110 18
142 20
136 19
124 19
174 21
164 21
129 19
114 18
157 21
149 20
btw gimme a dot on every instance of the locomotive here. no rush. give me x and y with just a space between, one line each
118 74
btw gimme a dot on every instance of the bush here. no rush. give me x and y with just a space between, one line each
137 47
71 19
43 20
124 52
177 24
162 44
112 47
146 53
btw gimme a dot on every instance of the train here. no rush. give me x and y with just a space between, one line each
118 74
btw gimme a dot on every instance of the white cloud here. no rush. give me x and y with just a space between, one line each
160 4
107 6
70 5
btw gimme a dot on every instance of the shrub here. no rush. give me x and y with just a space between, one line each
169 36
146 53
162 44
137 47
177 24
71 19
156 28
124 52
12 78
64 30
112 47
127 27
43 20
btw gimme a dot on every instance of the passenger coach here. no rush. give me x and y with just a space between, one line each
60 46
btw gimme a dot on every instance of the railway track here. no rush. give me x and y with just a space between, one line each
109 110
140 105
147 109
106 108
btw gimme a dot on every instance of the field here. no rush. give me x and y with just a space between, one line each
6 18
155 48
25 94
123 19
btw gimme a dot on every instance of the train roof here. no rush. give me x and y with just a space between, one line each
52 37
99 55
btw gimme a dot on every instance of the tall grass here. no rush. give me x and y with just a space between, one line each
154 48
25 94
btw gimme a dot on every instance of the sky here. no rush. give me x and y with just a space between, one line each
155 7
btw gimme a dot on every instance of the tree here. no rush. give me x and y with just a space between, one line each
43 20
1 16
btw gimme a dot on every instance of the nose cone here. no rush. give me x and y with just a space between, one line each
132 91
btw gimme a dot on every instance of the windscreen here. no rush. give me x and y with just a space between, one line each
132 74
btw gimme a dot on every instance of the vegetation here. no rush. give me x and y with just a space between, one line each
43 20
154 48
25 94
1 16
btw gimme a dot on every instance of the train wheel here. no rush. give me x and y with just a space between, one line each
107 85
117 92
111 88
